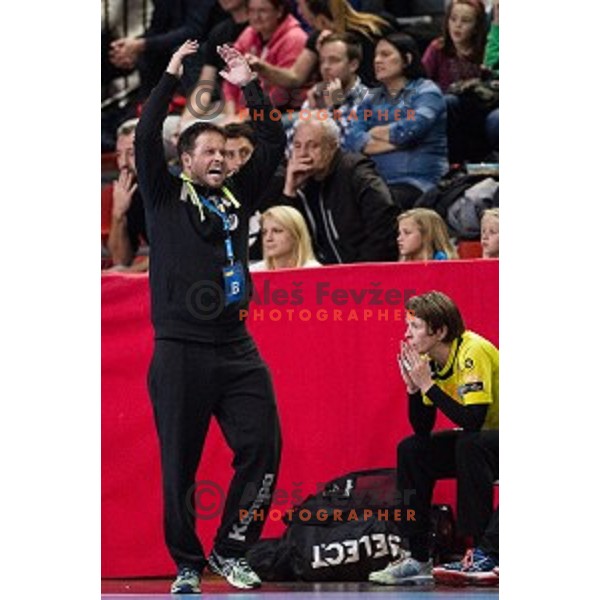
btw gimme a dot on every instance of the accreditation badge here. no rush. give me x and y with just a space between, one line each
235 282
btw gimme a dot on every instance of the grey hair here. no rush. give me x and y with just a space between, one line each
330 127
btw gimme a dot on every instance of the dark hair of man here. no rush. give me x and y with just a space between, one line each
187 140
437 310
406 45
127 130
353 48
237 130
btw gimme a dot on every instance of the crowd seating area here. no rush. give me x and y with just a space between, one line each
424 20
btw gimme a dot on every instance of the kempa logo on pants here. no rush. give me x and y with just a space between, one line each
348 551
263 496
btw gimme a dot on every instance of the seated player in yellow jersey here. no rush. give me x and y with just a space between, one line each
446 368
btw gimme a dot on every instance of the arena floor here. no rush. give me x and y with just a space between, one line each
214 587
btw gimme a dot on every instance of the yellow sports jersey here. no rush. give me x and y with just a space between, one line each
471 375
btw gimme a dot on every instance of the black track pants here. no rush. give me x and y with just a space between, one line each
470 457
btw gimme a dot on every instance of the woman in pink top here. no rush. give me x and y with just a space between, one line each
274 35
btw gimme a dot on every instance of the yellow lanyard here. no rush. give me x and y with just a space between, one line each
198 204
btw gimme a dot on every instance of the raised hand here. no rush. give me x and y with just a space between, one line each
237 71
123 190
175 66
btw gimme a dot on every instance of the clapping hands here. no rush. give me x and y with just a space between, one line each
237 70
175 66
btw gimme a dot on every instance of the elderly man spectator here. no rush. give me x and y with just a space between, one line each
128 223
347 205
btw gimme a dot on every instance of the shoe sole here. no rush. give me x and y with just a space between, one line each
453 578
484 579
407 581
460 579
186 590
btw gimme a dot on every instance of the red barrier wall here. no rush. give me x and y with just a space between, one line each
341 400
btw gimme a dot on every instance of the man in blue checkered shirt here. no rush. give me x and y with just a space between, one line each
341 90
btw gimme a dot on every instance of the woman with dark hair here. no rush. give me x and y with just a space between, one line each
276 37
455 62
458 54
402 124
325 17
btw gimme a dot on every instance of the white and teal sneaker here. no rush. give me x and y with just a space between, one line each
187 582
236 571
404 571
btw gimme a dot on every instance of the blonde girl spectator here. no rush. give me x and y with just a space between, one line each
423 235
490 233
286 240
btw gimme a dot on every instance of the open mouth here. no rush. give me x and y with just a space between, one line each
218 171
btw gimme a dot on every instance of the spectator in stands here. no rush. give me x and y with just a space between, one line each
200 103
285 239
341 90
327 16
347 205
455 62
402 124
128 223
490 233
454 370
458 54
423 235
240 141
276 36
492 62
173 22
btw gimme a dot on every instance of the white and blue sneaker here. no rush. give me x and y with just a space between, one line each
476 568
186 582
236 571
404 571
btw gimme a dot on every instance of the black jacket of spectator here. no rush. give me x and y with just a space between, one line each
353 219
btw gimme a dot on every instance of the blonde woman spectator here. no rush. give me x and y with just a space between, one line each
423 235
286 241
490 233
